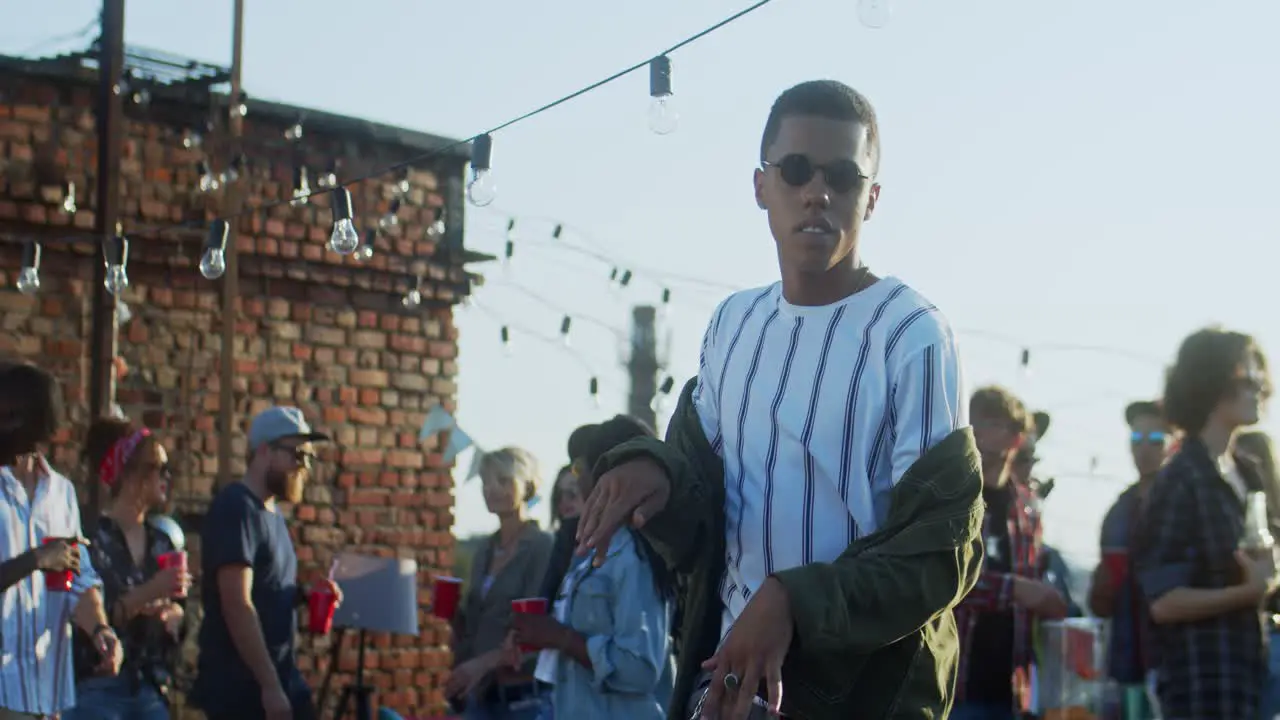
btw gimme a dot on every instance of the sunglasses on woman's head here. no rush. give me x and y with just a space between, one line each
798 170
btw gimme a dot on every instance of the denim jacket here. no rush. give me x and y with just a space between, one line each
626 622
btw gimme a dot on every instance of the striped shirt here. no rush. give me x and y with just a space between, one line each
817 412
35 625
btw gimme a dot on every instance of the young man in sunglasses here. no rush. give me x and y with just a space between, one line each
786 490
247 667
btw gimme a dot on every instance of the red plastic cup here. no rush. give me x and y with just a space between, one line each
322 602
174 559
1117 563
529 606
445 598
58 580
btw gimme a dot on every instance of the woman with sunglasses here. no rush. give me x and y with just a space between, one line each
140 597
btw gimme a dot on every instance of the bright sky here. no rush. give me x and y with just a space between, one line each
1056 175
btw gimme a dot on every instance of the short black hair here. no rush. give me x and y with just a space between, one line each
829 99
1143 408
1205 373
30 401
590 442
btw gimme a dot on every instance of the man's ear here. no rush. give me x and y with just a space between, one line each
873 197
757 179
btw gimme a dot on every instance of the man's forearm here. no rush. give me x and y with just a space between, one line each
16 570
89 613
1185 604
246 634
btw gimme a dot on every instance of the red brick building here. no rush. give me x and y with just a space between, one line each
325 332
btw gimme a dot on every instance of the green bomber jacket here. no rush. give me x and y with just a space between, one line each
874 632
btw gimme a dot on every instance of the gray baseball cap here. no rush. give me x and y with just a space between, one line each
281 422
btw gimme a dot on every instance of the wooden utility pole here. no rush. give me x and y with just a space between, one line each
232 201
643 364
102 349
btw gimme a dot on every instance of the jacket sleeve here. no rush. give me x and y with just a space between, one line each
926 560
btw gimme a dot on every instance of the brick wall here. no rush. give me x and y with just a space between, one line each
310 331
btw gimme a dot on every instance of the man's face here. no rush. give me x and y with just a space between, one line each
813 190
997 439
288 468
1024 461
1149 443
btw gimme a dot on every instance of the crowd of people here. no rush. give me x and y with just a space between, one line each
832 527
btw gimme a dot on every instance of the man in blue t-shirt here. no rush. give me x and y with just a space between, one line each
247 669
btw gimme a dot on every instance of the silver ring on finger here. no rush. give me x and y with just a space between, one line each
731 682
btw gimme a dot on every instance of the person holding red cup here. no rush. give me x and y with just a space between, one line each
144 574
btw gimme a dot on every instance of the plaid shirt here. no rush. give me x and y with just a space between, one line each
1212 668
994 593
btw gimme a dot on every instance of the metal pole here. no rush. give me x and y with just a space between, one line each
643 364
231 279
102 349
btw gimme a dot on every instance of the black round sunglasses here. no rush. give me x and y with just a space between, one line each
798 170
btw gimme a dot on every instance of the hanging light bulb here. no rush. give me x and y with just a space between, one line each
565 326
557 232
213 263
29 277
208 183
344 239
241 108
191 140
301 186
665 308
508 252
613 278
366 248
625 280
413 298
663 117
402 185
661 397
117 259
482 190
69 199
392 217
235 169
874 13
294 131
330 177
1025 361
437 227
594 389
506 340
141 97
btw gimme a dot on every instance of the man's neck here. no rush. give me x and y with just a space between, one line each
27 470
828 287
258 486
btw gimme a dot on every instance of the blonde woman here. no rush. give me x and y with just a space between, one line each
508 566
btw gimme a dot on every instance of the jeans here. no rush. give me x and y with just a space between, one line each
1271 692
982 711
519 702
112 698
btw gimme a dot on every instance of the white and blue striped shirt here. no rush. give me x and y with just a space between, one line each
817 412
36 673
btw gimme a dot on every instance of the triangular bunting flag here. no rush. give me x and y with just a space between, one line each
458 441
437 419
476 456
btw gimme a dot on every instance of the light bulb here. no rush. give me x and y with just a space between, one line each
403 186
294 132
208 183
141 97
213 263
482 189
192 140
506 341
117 279
874 13
344 239
663 118
28 281
69 205
301 187
388 221
327 180
365 252
436 229
412 299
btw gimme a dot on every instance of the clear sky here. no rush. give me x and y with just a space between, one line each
1056 175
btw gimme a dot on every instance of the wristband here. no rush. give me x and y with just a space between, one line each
98 630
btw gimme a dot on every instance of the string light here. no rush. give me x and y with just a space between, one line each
208 183
402 185
344 239
330 177
663 395
482 189
117 259
874 13
301 186
213 263
510 249
437 227
565 326
663 117
365 252
413 298
241 108
392 217
294 131
69 199
506 339
29 277
557 232
625 280
595 391
234 170
191 139
665 308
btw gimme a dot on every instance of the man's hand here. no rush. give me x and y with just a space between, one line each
537 630
276 704
1041 598
753 652
169 582
630 493
169 613
1258 570
58 555
326 584
466 676
110 652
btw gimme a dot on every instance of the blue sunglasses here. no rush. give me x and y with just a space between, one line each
1154 437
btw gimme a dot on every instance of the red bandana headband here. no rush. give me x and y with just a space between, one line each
118 456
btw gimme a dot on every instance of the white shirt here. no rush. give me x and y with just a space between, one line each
817 412
36 674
